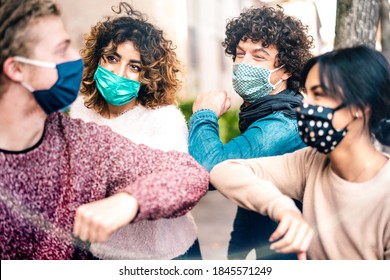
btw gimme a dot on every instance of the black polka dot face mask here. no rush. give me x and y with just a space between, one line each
316 128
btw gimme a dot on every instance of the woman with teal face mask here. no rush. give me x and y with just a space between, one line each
130 84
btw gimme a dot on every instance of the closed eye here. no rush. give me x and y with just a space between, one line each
318 93
257 57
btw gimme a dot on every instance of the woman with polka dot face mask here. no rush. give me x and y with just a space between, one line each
343 177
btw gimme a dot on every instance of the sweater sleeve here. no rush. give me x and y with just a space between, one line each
387 241
387 250
265 185
165 184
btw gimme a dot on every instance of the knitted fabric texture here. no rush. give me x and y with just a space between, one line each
77 163
163 128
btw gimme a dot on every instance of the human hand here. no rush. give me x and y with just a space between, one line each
97 220
294 234
217 101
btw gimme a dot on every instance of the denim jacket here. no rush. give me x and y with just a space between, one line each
272 135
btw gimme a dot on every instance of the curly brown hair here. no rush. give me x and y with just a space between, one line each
160 66
273 28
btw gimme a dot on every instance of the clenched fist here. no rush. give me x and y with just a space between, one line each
293 234
217 101
97 220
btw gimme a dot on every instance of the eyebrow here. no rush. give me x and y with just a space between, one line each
64 43
321 87
313 88
256 50
135 61
262 51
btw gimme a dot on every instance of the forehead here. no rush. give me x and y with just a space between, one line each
127 50
126 46
47 33
313 77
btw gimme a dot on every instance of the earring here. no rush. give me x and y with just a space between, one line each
357 115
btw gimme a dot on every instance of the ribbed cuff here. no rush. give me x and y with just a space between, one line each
203 114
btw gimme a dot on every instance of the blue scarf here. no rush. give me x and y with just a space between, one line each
285 101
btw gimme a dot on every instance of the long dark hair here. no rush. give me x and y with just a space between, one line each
360 76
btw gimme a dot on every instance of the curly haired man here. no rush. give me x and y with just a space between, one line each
269 49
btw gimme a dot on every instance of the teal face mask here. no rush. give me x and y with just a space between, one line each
115 89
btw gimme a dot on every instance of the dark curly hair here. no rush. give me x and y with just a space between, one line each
160 66
272 27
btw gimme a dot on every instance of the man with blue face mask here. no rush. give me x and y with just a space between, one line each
269 49
63 181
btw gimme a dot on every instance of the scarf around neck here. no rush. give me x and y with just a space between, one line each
285 101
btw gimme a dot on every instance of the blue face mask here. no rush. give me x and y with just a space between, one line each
252 82
66 88
115 89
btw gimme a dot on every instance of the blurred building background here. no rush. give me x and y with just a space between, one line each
197 28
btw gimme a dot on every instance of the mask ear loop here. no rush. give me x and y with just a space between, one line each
35 62
27 86
357 116
275 85
276 69
269 78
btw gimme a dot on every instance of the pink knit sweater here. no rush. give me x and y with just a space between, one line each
76 163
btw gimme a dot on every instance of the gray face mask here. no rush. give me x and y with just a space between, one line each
253 82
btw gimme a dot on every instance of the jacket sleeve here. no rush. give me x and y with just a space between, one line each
268 137
165 184
266 185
